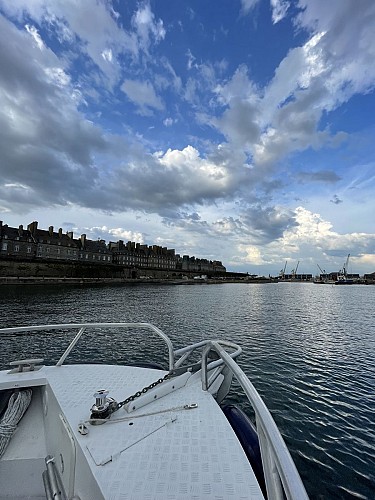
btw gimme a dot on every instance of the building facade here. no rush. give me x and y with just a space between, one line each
48 245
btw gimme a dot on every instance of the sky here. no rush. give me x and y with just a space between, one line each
232 130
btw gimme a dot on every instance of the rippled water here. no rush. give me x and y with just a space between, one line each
308 349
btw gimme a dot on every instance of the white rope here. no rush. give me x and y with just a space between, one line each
17 405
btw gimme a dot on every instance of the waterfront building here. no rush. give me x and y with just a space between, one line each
94 251
34 244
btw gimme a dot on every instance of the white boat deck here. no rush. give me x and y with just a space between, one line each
168 453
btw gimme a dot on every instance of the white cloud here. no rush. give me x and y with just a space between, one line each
191 60
251 255
168 122
143 95
117 233
248 5
145 25
94 31
107 55
35 34
279 10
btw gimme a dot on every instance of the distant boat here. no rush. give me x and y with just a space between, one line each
342 280
342 277
324 281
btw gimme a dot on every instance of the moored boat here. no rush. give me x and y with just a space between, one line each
342 277
157 433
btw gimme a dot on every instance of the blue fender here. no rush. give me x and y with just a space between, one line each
248 437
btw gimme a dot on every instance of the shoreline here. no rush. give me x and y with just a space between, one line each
24 280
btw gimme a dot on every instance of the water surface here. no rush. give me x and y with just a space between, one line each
308 349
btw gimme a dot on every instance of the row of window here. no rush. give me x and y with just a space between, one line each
126 260
16 248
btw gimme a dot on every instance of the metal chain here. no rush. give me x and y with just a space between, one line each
142 391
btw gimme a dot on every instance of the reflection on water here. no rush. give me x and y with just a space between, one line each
309 350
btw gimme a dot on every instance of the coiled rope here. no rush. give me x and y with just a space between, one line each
17 405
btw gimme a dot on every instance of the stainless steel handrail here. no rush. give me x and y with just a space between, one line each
84 326
278 465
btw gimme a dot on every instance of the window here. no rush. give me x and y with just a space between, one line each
28 249
16 248
4 246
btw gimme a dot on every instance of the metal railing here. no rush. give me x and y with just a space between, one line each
281 475
84 326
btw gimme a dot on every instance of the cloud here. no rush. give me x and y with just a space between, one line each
312 229
312 240
60 157
279 10
143 95
347 45
46 144
146 27
248 5
327 176
336 200
284 118
34 33
249 254
84 29
168 122
171 179
109 234
269 223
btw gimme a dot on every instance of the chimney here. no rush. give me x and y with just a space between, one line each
50 231
70 234
83 240
20 230
60 232
33 227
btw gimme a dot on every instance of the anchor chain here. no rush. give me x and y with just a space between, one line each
142 391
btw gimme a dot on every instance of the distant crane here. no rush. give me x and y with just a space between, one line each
346 267
282 272
294 271
321 270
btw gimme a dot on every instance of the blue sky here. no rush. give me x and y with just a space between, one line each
238 130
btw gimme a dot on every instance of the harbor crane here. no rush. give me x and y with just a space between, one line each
294 271
346 266
282 272
323 271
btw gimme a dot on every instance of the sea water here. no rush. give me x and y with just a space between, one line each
308 349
